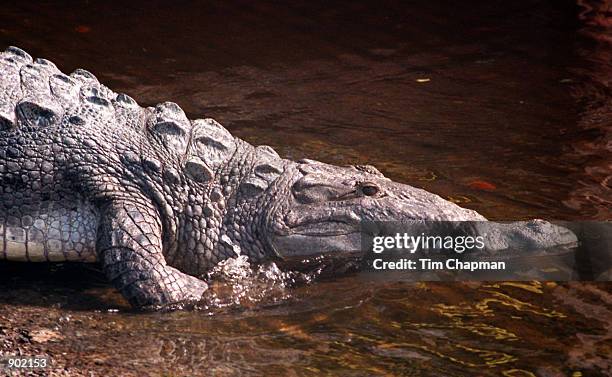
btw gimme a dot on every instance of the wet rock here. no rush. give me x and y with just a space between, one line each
45 335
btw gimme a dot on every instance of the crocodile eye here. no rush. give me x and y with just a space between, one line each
369 189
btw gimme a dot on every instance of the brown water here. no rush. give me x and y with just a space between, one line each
502 106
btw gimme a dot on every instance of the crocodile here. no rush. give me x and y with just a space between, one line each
157 199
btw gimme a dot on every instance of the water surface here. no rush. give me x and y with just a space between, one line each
503 107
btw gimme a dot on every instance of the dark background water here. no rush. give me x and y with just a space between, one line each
501 106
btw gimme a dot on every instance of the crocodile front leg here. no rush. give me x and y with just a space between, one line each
129 245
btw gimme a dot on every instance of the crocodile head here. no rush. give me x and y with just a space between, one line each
319 208
296 210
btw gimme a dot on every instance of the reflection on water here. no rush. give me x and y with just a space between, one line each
352 326
503 107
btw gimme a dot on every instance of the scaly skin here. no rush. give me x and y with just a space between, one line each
88 175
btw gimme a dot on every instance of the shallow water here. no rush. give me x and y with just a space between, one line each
503 107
